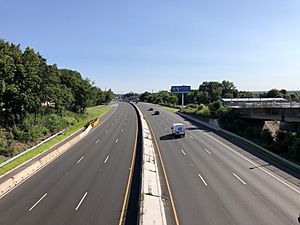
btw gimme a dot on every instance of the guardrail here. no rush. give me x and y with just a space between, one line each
262 104
30 149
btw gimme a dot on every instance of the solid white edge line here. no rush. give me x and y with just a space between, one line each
202 179
107 157
80 159
191 137
251 162
97 141
182 151
239 178
38 202
117 140
77 207
207 151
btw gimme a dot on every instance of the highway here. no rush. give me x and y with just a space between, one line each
213 182
86 185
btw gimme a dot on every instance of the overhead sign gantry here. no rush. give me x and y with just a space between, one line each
181 90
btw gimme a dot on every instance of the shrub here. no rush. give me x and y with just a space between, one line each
200 107
54 123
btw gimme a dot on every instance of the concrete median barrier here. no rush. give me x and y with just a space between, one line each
152 209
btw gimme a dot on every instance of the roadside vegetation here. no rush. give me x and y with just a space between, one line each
38 100
91 113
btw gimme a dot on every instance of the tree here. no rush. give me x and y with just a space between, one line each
229 90
211 89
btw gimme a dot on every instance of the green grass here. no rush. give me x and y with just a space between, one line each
91 114
174 110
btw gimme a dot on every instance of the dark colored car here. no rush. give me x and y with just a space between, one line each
151 109
156 113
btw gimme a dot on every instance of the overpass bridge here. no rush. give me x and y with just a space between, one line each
279 109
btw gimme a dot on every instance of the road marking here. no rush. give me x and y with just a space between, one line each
239 178
38 201
166 128
202 179
106 131
112 124
122 131
107 157
182 151
130 173
80 159
77 207
251 162
117 140
97 141
165 175
207 151
191 137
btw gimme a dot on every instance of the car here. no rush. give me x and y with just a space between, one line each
151 109
156 113
178 129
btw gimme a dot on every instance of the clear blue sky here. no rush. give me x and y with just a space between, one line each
139 45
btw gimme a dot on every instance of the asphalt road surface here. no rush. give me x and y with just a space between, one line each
213 182
86 185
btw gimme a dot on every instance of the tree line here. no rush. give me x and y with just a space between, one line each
31 90
211 91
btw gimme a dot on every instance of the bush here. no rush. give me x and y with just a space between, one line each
200 107
54 123
19 134
69 120
36 132
5 143
203 113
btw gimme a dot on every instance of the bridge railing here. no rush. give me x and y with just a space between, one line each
262 104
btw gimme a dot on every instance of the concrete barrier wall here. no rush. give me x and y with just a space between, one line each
215 126
152 208
20 177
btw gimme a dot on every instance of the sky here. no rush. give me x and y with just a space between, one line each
150 45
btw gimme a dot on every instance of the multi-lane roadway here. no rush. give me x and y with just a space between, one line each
211 181
215 182
86 185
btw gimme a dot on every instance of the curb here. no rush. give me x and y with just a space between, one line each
151 206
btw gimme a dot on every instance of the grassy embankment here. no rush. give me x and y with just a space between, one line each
174 110
91 114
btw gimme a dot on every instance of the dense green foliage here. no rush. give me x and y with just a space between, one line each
285 143
213 110
37 99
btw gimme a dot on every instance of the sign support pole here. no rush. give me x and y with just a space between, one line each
182 100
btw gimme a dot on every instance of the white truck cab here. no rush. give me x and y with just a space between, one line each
178 129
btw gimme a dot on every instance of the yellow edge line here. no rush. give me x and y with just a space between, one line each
165 174
130 175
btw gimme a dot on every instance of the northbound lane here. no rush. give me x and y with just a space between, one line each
213 183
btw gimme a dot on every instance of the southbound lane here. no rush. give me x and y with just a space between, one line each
86 185
213 183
